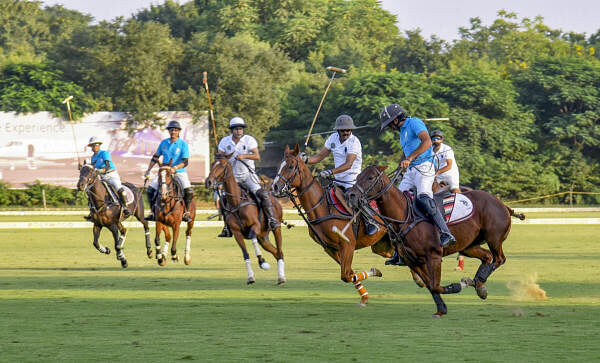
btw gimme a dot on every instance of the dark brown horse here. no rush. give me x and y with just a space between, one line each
295 180
419 243
168 209
246 220
106 211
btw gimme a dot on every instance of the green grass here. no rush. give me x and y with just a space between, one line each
61 300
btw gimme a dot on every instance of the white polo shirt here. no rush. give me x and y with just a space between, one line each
441 158
340 151
242 147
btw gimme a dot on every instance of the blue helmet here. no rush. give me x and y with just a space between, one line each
389 113
174 125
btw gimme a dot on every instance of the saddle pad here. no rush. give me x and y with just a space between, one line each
340 207
129 194
457 208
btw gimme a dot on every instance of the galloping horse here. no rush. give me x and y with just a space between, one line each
168 209
418 240
245 218
295 180
108 212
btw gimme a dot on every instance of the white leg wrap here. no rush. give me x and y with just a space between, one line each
256 248
281 268
188 243
102 249
463 284
165 249
249 268
120 255
370 273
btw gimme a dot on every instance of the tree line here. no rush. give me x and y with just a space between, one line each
523 99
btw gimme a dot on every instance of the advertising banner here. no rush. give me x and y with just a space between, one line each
42 147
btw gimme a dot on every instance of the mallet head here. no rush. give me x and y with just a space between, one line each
337 231
67 99
336 69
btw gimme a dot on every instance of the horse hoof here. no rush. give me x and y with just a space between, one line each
376 272
265 265
362 304
124 263
251 280
187 260
162 261
280 280
107 251
482 292
467 281
150 253
175 258
437 315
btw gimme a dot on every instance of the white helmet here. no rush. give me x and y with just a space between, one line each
237 122
94 140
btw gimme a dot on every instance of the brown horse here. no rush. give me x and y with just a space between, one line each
245 219
295 180
418 240
107 211
168 209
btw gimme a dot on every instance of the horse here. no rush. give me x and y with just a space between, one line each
169 207
107 211
418 240
295 181
245 218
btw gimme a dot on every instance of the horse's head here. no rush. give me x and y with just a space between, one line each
165 181
219 171
289 174
87 176
369 184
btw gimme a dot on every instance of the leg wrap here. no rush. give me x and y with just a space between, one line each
362 291
360 276
484 272
452 288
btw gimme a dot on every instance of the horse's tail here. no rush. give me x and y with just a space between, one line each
521 216
288 225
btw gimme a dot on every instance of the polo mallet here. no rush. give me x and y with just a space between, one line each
342 233
334 70
68 102
210 107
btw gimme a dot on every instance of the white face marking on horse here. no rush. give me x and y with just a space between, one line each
279 172
163 185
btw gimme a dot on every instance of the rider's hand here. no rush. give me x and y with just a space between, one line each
405 163
239 157
147 174
303 157
173 170
325 173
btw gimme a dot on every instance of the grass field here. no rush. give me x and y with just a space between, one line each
61 300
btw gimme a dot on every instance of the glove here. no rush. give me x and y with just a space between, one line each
325 174
147 174
303 157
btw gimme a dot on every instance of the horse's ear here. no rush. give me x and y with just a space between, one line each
79 166
296 150
381 167
171 162
287 149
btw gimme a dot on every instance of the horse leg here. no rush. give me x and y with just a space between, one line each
417 279
114 228
261 261
98 246
348 275
188 242
431 273
161 254
139 215
122 235
239 238
176 228
483 272
276 252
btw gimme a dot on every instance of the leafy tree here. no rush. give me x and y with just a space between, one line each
35 87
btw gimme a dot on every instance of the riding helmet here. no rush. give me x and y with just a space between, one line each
94 140
236 122
437 133
174 125
344 122
389 113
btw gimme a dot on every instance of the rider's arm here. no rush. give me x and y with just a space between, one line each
423 146
184 162
253 156
320 156
153 162
445 168
346 165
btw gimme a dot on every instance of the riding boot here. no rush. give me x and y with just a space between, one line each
267 207
151 194
123 200
396 260
427 205
371 226
226 232
188 197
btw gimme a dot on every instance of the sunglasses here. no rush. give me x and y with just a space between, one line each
345 131
436 138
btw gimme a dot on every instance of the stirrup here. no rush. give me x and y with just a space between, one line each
274 223
372 229
186 217
447 239
225 233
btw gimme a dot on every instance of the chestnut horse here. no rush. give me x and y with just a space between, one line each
242 217
107 212
168 209
418 239
295 181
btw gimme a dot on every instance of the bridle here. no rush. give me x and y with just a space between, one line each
365 193
288 189
167 189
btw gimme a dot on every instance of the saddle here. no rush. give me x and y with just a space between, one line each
338 200
250 199
115 197
455 208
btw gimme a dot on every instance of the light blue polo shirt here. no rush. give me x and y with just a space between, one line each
409 138
98 160
176 151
